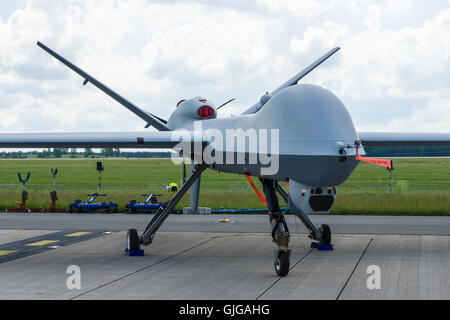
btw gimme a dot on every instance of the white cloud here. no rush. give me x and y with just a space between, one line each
330 35
391 72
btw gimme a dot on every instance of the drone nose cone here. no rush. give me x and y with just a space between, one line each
191 110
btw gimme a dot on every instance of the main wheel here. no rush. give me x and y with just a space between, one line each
326 234
282 263
133 240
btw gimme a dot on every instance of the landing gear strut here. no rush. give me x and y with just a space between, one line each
322 233
280 231
163 212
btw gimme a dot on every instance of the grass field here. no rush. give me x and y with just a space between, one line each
419 186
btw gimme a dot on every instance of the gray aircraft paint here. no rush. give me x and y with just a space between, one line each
313 124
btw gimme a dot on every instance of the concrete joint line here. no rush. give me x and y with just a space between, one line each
145 268
279 279
353 271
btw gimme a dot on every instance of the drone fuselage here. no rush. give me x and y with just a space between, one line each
305 130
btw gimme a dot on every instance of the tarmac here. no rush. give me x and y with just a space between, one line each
197 257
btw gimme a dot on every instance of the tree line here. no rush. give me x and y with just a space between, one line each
408 151
87 153
62 153
396 151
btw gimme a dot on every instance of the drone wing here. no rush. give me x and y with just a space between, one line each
294 80
378 139
146 116
161 139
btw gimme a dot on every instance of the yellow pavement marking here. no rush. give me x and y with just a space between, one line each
77 234
224 220
5 252
41 243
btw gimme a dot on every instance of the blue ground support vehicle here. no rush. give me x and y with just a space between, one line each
147 206
90 206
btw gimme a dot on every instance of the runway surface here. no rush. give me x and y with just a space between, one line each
228 261
395 225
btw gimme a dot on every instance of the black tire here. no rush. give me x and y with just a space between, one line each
281 264
326 234
133 240
128 211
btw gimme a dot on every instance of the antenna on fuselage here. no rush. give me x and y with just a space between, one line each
223 105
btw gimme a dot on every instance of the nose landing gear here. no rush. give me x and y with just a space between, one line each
282 263
280 231
280 236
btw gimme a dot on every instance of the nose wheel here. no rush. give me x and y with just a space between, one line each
281 263
280 230
282 254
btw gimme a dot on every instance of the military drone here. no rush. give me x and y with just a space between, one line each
301 134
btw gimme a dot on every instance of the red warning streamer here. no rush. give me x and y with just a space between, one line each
379 162
258 193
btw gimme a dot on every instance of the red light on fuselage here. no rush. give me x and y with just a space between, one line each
205 112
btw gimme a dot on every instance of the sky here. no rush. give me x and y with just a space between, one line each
392 72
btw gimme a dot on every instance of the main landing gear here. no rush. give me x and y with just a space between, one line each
280 231
134 241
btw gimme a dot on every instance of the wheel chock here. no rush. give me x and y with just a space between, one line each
134 253
322 247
